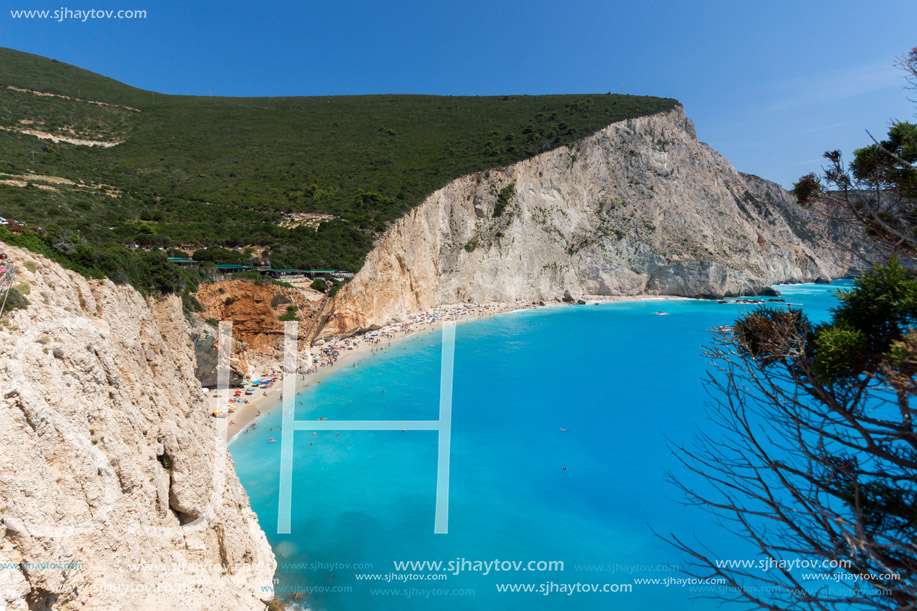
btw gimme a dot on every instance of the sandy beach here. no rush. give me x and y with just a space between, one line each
352 349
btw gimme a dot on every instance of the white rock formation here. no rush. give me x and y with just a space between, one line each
111 467
640 207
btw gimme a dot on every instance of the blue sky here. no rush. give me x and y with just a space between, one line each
769 85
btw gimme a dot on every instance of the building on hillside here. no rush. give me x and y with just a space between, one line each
320 273
288 274
185 263
232 268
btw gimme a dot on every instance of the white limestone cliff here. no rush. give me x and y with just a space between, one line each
641 207
111 466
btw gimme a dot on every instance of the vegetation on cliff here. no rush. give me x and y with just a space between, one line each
311 179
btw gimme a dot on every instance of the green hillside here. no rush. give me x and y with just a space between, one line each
212 170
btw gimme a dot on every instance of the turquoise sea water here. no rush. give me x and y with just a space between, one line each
623 383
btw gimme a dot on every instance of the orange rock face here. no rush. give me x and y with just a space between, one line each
255 310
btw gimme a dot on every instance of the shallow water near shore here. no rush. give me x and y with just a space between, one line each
560 424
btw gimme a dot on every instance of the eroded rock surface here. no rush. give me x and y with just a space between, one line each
111 465
640 207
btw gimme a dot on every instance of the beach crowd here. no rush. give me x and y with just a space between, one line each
330 351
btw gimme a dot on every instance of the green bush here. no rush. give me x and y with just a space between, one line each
163 276
319 285
290 314
255 277
15 301
277 300
222 255
150 272
504 198
190 303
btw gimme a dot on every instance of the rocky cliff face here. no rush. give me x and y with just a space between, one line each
114 484
640 207
206 355
255 310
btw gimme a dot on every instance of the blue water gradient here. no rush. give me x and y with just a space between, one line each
618 378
